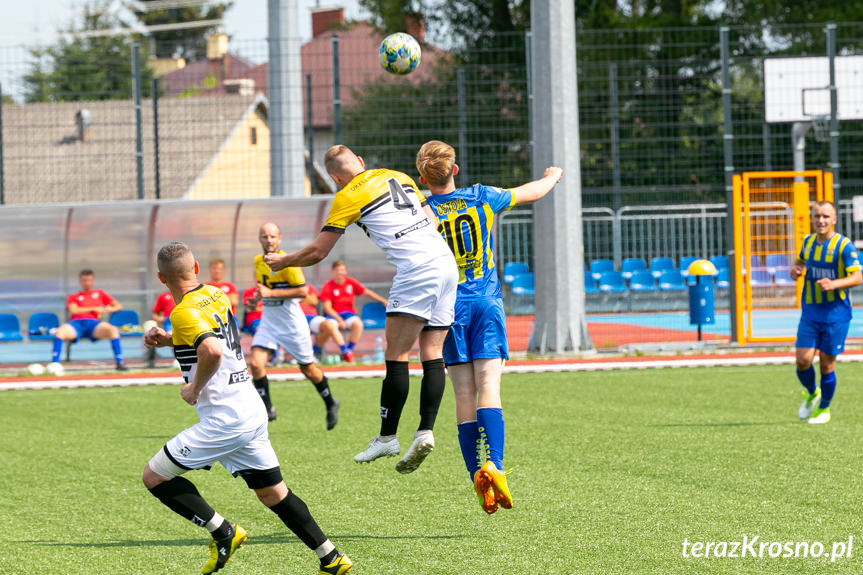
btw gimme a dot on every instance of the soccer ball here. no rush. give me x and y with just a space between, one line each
54 368
399 53
36 369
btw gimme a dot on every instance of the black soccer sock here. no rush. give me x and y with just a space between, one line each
323 387
394 394
295 514
263 387
431 392
181 496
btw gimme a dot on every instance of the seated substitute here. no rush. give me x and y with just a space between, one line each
323 328
338 296
233 424
86 309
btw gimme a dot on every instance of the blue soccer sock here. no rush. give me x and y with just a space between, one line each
490 422
118 351
344 349
316 349
471 449
350 346
828 388
807 378
58 347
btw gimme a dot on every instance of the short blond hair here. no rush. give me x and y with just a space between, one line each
435 162
337 160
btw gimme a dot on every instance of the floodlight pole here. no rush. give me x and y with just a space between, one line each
558 245
284 80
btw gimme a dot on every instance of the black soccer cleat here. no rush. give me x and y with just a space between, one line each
271 413
333 414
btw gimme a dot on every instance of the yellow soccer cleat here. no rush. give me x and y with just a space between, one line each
484 492
341 565
497 478
221 552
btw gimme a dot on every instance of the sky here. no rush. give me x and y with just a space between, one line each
30 22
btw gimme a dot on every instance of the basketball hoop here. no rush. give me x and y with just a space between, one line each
821 128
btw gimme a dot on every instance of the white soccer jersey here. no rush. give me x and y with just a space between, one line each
229 399
388 207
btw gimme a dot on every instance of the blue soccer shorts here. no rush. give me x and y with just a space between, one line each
826 337
84 327
477 332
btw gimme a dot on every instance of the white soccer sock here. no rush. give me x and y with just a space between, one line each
324 549
214 523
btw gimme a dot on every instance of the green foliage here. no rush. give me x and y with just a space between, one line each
190 43
78 67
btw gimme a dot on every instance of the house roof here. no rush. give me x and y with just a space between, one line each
204 76
45 162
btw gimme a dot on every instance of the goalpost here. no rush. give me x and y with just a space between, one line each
771 218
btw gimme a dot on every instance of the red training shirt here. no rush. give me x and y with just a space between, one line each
307 308
342 295
228 288
164 304
91 298
252 315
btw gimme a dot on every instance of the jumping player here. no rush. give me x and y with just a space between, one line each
232 428
284 324
388 206
476 346
829 263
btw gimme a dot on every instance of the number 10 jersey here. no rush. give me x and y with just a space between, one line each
387 206
466 218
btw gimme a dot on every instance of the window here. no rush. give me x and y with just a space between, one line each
254 136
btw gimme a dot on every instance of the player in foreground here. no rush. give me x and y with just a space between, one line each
828 262
391 211
284 324
86 309
338 296
476 347
232 428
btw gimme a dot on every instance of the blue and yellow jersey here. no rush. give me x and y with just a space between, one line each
836 258
228 399
465 220
285 278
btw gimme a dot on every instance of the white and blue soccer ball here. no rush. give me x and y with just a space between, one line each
399 53
36 369
54 368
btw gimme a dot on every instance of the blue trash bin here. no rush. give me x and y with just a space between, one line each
702 310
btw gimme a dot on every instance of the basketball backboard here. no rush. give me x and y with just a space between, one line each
798 89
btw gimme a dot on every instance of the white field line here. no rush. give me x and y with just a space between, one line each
539 367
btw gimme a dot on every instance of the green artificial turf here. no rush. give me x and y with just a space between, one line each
611 472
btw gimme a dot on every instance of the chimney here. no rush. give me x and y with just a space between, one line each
325 18
82 124
217 45
416 27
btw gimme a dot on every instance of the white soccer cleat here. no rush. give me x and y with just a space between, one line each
810 401
820 416
417 452
378 448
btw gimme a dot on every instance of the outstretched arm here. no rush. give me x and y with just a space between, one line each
308 256
532 191
374 296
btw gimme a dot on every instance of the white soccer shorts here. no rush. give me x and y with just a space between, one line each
315 323
286 326
426 292
200 446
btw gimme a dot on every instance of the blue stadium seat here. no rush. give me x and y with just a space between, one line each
759 277
523 285
590 285
512 269
10 327
631 265
612 282
40 324
684 264
672 280
374 315
599 267
642 281
721 262
722 279
777 260
658 266
127 321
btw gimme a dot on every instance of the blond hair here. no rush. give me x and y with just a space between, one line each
338 160
435 162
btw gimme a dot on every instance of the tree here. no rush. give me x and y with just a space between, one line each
85 67
189 43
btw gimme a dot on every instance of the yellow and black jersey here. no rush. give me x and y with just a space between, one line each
228 398
285 278
388 207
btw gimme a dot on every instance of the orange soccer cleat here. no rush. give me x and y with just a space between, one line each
497 479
